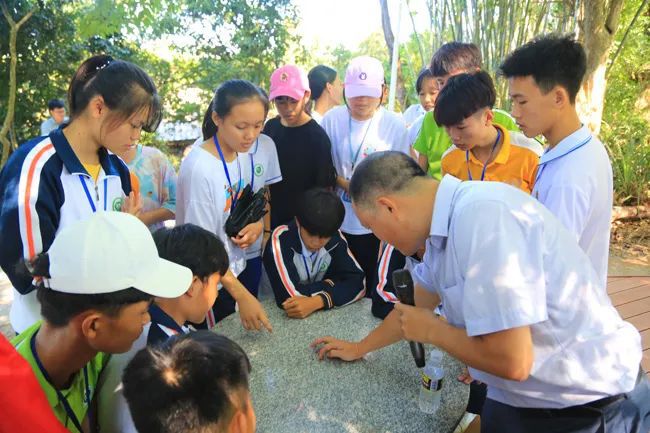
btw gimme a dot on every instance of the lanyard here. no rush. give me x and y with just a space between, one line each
90 199
59 394
355 155
307 268
469 173
542 165
234 195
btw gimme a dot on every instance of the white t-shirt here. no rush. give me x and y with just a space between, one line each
574 182
414 129
203 196
412 113
267 172
317 116
500 260
385 131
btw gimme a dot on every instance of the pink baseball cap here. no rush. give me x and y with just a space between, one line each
364 77
289 80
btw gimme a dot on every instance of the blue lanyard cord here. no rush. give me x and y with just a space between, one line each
307 268
87 191
233 194
354 156
64 401
494 146
542 165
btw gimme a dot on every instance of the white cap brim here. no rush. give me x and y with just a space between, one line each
355 90
166 280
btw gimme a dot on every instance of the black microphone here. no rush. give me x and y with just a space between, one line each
403 284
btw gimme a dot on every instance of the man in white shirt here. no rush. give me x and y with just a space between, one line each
574 178
524 307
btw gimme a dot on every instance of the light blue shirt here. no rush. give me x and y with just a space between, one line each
574 181
500 260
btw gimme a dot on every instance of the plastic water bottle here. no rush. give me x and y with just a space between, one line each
431 389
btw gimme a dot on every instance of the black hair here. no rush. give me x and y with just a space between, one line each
125 88
462 96
193 247
320 212
424 74
227 95
319 76
58 308
455 56
551 60
382 173
189 384
55 103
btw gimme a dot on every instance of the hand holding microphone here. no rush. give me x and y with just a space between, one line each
403 284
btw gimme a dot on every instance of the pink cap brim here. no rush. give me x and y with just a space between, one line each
355 90
296 94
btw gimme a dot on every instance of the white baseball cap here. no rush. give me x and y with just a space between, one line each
109 252
364 77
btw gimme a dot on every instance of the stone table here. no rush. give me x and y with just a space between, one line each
293 391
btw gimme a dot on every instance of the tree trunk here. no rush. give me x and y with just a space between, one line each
8 141
598 25
400 95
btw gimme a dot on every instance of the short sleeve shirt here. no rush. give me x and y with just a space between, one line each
157 180
76 393
433 140
500 260
515 164
574 181
267 172
204 195
352 141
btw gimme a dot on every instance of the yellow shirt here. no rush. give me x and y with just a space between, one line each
93 170
515 164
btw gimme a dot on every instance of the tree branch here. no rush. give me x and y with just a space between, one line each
613 15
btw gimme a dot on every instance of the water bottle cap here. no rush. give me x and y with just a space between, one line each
435 356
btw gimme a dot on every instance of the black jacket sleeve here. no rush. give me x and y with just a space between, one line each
383 294
346 275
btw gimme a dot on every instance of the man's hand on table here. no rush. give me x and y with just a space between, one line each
299 307
331 347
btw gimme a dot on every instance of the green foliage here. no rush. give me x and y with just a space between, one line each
626 116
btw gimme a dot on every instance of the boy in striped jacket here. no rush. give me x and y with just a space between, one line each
308 261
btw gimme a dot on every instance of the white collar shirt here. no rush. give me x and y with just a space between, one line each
574 181
500 260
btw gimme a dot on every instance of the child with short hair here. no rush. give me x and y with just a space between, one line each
482 150
426 89
574 178
204 254
97 282
451 59
194 383
308 261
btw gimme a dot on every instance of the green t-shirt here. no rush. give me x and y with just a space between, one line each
433 140
75 394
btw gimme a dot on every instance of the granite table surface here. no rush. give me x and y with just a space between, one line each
294 392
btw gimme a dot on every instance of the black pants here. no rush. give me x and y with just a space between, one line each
365 249
618 414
